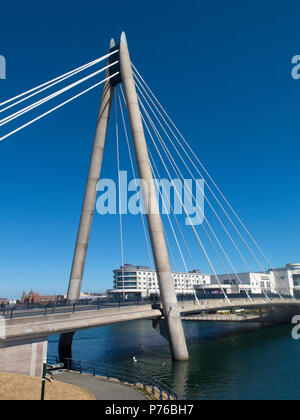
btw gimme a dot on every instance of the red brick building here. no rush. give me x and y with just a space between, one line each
36 298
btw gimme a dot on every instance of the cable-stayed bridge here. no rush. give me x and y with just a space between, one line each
161 153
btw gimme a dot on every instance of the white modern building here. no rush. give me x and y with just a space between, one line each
284 281
136 280
288 278
241 284
133 281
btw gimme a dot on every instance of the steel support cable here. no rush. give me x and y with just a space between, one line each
195 232
172 210
137 74
255 257
61 79
135 181
213 245
155 173
171 159
258 262
53 95
57 107
165 233
209 238
142 87
167 240
169 219
119 191
205 197
215 249
91 63
188 250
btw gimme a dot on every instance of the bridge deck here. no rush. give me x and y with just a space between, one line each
30 327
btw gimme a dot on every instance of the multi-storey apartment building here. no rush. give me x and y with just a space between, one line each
138 280
135 280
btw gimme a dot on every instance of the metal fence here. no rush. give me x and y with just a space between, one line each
102 303
151 385
66 307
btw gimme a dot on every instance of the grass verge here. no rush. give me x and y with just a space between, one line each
19 387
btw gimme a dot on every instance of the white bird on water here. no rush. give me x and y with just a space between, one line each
134 359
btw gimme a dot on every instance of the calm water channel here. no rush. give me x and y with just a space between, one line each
228 360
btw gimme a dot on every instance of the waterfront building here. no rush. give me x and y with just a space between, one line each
285 281
240 284
288 278
141 281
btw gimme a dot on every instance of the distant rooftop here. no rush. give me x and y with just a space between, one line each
127 267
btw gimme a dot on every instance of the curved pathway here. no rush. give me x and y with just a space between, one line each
102 389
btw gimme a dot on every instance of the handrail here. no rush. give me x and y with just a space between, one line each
102 303
124 375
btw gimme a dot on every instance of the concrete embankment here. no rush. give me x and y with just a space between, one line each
223 318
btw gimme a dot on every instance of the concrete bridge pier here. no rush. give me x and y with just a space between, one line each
24 357
280 315
65 346
171 312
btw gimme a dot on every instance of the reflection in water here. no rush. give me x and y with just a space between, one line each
225 363
180 373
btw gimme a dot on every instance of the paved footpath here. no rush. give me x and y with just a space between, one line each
101 388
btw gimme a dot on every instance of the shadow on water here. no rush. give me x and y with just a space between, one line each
227 360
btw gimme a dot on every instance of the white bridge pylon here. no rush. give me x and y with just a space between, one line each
172 318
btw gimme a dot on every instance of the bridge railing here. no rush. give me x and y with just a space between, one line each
148 383
102 303
80 305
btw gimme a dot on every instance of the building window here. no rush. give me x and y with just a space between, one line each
296 278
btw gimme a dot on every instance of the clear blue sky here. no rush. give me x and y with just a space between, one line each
223 71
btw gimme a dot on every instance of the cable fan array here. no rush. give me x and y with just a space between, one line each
25 96
222 238
220 243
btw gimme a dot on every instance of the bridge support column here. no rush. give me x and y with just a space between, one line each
158 242
65 347
90 191
24 357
